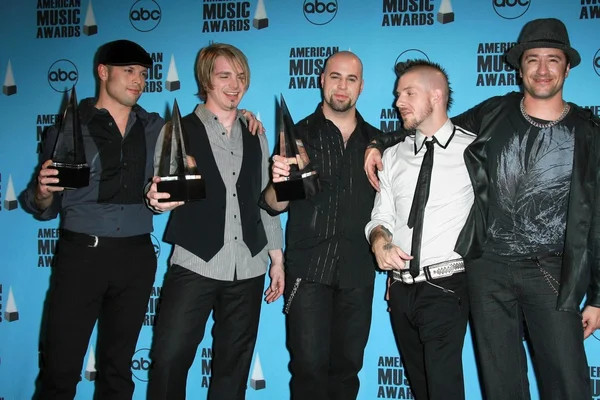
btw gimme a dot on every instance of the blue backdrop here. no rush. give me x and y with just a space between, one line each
48 45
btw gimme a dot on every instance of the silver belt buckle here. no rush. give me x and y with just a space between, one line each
96 240
446 269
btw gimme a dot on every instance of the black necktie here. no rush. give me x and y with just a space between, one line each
417 210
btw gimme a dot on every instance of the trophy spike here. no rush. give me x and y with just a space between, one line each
303 180
177 169
69 151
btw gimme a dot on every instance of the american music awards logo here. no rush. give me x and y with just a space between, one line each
392 382
153 305
416 13
596 61
62 19
492 68
306 66
43 122
595 381
590 9
233 16
47 239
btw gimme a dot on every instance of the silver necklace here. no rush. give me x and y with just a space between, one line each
550 124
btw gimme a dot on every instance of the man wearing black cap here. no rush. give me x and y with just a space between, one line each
105 262
533 236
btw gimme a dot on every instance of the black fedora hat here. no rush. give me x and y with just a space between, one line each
124 52
543 33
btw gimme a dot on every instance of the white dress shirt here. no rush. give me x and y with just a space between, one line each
450 197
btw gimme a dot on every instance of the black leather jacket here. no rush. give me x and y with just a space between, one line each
580 273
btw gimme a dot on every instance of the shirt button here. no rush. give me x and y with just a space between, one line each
223 133
232 153
235 216
234 195
125 186
110 124
118 229
124 164
235 238
234 173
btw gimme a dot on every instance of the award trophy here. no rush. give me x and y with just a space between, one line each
178 172
69 154
303 180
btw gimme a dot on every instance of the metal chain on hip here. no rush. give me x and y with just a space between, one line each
550 124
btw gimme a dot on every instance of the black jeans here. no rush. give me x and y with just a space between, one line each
429 322
504 294
111 285
327 331
186 302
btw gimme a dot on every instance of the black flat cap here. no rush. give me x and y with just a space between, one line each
124 52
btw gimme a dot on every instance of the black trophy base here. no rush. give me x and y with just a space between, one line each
11 316
260 23
91 375
182 188
173 85
71 176
297 188
90 30
258 384
9 90
445 18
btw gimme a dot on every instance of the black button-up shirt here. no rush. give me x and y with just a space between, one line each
120 165
325 239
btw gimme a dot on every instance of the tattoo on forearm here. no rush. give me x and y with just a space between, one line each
388 246
380 231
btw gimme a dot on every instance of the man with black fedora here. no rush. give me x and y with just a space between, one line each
105 262
532 240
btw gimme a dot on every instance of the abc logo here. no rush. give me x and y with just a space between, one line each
320 12
141 364
145 15
411 54
62 75
511 9
596 61
156 244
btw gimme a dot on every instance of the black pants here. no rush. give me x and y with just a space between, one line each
506 294
186 302
327 330
108 284
429 324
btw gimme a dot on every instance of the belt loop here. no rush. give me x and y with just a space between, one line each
96 240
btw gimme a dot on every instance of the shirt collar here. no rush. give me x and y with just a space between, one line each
205 115
360 122
87 111
442 137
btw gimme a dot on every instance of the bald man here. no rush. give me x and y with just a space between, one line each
329 267
424 200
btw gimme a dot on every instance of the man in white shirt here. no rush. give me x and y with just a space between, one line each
424 200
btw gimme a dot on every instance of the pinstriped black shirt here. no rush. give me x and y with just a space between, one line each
325 242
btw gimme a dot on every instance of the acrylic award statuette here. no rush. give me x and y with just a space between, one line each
303 181
178 172
69 154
